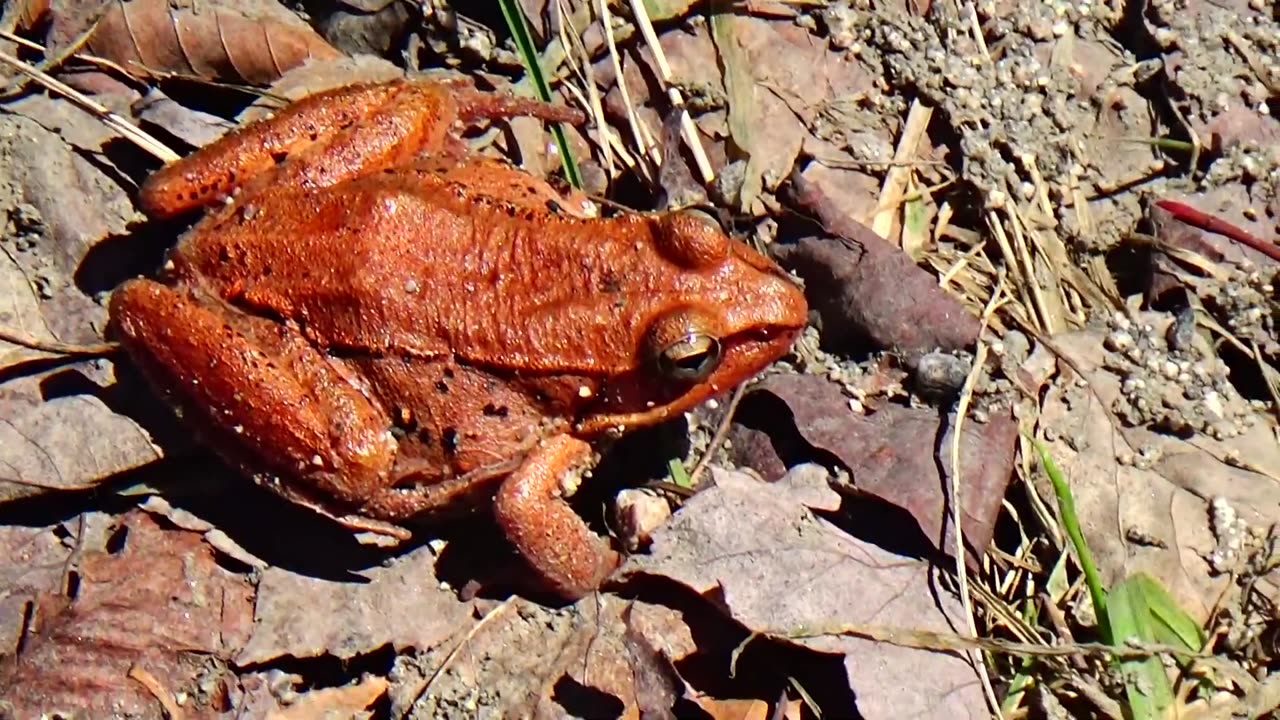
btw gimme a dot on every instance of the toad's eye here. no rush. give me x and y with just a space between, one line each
691 358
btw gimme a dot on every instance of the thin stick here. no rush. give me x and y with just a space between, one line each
639 133
1218 226
58 348
126 129
722 431
677 100
962 571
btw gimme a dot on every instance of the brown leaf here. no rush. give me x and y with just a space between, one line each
735 709
159 614
656 681
763 62
776 569
1233 203
58 427
538 662
898 454
32 563
366 27
400 604
211 41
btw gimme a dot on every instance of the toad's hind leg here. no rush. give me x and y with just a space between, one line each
258 394
550 536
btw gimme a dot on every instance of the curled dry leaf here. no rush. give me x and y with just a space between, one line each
155 620
867 290
214 41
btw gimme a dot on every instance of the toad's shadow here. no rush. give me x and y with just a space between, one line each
293 538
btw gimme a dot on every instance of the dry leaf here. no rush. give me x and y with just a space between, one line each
225 42
868 291
336 703
401 604
58 424
898 454
532 662
1146 496
156 619
735 709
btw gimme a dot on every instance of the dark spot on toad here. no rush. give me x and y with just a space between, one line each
610 282
449 438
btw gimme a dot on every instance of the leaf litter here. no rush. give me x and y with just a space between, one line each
1032 179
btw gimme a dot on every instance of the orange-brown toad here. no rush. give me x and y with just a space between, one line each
378 325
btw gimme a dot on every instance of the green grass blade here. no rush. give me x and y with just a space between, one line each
1071 523
1146 683
528 55
679 475
1171 625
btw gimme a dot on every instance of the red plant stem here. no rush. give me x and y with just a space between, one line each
1213 224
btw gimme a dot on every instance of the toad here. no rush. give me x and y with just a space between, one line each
379 325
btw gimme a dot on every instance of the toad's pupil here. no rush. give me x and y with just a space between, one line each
693 362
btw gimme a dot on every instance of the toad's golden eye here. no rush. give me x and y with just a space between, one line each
691 358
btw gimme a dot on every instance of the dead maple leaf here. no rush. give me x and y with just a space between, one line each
774 567
156 619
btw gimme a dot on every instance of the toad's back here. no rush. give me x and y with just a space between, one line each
404 262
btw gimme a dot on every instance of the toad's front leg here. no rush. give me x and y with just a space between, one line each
531 510
333 136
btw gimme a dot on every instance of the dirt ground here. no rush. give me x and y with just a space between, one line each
1026 230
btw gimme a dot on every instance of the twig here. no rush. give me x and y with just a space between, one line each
59 348
954 487
677 100
475 629
161 694
1218 226
722 431
126 129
